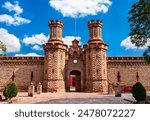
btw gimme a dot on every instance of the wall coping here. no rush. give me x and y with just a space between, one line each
22 58
42 58
126 58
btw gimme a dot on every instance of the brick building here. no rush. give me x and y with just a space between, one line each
74 68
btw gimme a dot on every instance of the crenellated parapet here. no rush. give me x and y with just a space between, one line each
55 31
95 34
54 61
95 59
126 61
125 58
21 60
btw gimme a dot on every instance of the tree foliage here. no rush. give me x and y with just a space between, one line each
139 92
10 90
2 46
139 20
147 54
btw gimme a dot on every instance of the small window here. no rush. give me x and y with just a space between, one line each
89 57
61 57
96 56
97 71
95 32
54 34
75 55
53 71
103 56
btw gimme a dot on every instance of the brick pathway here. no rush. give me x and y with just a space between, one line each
69 98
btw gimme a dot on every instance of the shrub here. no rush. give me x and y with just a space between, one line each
139 92
10 90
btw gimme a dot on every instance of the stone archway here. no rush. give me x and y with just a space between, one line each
75 81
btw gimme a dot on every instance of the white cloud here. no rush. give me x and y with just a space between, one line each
80 8
13 7
11 41
16 19
68 40
28 54
38 39
19 20
5 18
128 45
36 47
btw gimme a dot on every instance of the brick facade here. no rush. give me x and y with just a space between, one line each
22 68
92 69
130 69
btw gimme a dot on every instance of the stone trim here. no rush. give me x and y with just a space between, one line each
21 58
125 58
21 62
128 63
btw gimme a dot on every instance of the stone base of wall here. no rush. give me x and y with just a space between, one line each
97 86
22 88
55 86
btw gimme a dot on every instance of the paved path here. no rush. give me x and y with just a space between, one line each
72 98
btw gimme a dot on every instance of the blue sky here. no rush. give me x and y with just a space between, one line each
24 24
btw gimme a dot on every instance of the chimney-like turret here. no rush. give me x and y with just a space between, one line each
55 31
95 35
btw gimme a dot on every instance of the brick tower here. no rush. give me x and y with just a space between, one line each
95 59
54 61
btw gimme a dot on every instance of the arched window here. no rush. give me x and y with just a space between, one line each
61 57
95 32
75 55
97 71
54 34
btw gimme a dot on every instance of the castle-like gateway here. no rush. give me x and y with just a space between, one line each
65 69
84 69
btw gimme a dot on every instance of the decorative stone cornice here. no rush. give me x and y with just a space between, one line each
94 23
125 58
54 46
21 60
57 23
126 61
95 46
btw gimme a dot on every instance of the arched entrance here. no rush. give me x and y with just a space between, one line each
75 81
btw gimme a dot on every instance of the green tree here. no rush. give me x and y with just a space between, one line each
139 19
147 54
10 90
139 92
3 48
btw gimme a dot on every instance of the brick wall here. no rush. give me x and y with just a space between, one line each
22 68
128 68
